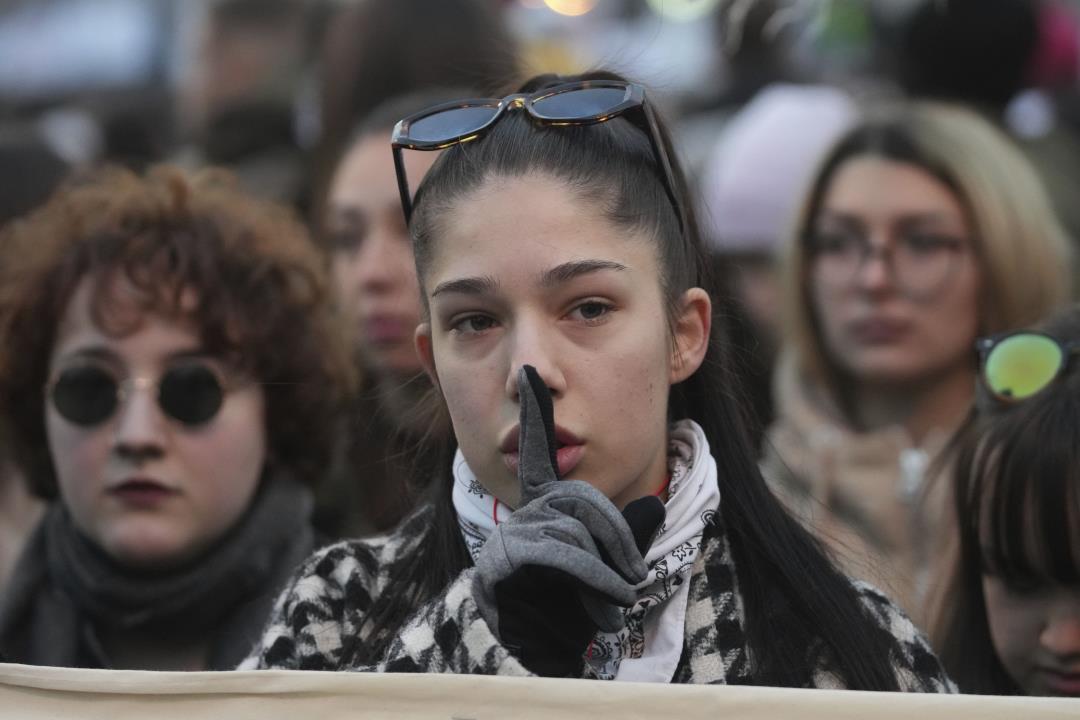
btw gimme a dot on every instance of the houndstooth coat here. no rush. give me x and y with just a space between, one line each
333 590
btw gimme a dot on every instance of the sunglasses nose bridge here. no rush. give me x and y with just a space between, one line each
140 422
515 101
129 386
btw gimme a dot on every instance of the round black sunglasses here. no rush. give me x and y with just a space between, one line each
87 395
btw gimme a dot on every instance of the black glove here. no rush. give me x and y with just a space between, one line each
565 561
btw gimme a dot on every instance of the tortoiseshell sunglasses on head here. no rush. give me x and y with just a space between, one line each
578 103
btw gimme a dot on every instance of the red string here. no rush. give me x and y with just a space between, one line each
495 510
664 487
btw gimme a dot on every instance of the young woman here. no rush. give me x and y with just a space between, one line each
374 276
560 266
170 372
922 230
1011 623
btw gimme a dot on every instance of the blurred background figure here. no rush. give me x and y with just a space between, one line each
374 275
377 50
171 373
20 512
753 181
923 229
29 171
239 97
1014 61
1010 621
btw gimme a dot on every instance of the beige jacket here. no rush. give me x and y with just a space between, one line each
871 497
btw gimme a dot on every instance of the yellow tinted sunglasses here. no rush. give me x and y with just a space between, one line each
1017 365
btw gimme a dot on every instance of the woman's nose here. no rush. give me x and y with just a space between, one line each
1061 636
533 345
140 425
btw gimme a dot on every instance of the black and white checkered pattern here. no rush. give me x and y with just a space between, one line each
327 604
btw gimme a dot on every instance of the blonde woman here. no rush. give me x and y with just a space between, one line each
923 230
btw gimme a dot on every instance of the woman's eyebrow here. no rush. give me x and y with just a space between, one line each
91 352
194 353
568 271
467 286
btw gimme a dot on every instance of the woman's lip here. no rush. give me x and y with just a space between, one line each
878 330
1062 683
386 328
511 439
567 458
141 492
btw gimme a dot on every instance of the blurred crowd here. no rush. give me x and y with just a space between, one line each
204 264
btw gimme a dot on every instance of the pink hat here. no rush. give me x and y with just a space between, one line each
764 161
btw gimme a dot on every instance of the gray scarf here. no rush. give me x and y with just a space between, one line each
64 586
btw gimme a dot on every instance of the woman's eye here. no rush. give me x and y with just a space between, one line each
591 311
344 241
473 324
1024 586
834 243
926 244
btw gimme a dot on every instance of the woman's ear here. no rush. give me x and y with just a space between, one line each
422 341
692 326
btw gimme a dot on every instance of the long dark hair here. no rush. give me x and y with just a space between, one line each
1017 504
797 603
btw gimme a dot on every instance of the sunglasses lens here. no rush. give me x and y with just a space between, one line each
449 124
583 103
1022 365
85 395
191 394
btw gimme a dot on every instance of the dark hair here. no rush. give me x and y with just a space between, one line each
380 121
975 51
386 114
797 603
261 287
377 50
1017 505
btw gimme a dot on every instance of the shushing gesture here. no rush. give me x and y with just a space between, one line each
565 562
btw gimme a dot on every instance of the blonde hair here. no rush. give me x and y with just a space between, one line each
1023 252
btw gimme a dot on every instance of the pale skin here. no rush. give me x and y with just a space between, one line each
204 478
526 273
372 262
919 372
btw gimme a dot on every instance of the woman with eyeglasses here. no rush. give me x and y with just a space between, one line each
922 230
598 511
1010 623
170 370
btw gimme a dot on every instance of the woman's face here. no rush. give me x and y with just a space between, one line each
526 273
372 259
146 488
1036 633
893 274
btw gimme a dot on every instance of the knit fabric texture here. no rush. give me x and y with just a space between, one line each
327 605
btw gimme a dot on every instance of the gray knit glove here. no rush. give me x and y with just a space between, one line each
566 560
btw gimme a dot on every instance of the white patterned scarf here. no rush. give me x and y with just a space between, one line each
648 648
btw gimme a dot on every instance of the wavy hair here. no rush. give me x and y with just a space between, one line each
262 300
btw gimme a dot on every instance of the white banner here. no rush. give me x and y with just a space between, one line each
33 693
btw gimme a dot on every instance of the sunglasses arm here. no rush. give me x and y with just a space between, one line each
665 162
403 183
